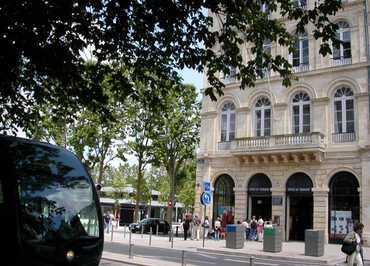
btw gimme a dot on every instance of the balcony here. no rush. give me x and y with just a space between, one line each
296 148
341 61
344 137
301 68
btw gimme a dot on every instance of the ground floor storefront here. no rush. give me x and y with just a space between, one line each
297 197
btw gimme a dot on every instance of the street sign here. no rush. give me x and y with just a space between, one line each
207 186
205 198
169 203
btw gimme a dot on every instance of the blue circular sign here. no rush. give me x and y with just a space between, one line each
206 198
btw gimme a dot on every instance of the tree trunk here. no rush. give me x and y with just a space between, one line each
138 191
101 171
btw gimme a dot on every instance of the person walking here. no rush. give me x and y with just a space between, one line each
196 228
186 226
217 228
355 237
260 229
245 223
107 218
253 229
206 227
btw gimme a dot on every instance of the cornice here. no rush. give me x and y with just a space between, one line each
208 114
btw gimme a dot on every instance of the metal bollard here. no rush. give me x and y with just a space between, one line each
124 231
171 239
142 231
251 261
129 241
150 236
131 251
111 236
183 260
157 229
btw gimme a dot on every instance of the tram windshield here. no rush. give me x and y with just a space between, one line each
56 197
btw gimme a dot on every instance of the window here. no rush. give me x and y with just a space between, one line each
262 117
228 122
301 3
344 111
231 76
301 54
342 55
301 108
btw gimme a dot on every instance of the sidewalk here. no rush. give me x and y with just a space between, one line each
292 251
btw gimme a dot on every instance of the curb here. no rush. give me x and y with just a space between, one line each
278 257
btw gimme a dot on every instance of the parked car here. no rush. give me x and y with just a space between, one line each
146 224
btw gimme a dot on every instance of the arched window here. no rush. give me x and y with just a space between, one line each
301 113
301 3
344 120
228 122
343 34
301 54
224 199
262 119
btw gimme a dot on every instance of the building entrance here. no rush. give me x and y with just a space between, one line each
259 195
224 200
299 206
344 205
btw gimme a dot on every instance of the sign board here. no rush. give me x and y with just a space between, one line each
277 200
207 186
205 198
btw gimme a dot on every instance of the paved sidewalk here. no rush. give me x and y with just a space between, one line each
294 251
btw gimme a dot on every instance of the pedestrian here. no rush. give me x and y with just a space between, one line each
260 229
107 221
217 228
186 226
117 219
355 237
196 228
246 227
253 229
205 226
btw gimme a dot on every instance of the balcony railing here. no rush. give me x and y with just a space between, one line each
344 137
278 142
225 145
301 68
341 61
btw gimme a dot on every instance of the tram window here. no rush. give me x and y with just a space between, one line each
56 197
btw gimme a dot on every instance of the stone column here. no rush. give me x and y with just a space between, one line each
321 210
278 206
240 204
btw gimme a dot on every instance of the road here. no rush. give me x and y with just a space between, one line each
198 258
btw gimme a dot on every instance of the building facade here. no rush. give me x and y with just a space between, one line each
298 156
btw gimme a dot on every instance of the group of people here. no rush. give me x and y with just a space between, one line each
191 227
253 228
110 220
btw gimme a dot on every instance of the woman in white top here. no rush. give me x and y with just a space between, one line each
355 236
206 227
217 228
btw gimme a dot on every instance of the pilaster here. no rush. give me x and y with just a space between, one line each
240 204
321 210
278 207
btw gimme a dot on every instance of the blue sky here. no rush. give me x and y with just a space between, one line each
192 77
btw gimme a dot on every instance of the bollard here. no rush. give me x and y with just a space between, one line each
177 231
183 260
171 238
124 231
131 251
150 236
142 231
111 236
251 261
157 229
129 241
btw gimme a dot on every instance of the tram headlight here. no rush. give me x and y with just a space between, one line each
70 255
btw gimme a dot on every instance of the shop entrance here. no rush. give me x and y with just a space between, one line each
224 200
344 205
299 206
259 197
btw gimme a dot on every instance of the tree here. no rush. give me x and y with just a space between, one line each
44 40
177 132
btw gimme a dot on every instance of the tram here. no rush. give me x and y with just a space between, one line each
49 208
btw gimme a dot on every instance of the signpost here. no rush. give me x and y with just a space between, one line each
205 199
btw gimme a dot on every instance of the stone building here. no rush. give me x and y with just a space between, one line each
299 155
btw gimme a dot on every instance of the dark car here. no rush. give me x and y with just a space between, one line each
154 223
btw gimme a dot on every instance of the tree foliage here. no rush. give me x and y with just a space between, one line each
43 40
